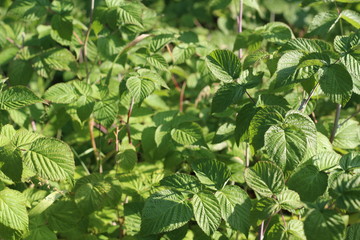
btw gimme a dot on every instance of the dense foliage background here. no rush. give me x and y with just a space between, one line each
180 119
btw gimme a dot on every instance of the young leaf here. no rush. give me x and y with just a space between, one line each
17 97
50 158
324 225
206 211
235 207
13 212
157 61
265 178
11 162
309 182
159 41
224 64
165 211
323 23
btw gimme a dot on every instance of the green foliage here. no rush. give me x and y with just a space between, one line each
180 120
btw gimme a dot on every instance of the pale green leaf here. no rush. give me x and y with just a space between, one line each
157 61
289 200
206 211
159 41
265 178
293 230
187 133
347 135
212 173
165 211
50 158
181 181
323 23
139 88
17 97
286 145
61 93
13 212
126 157
351 17
325 160
235 207
224 64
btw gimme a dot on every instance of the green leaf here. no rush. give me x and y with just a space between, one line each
347 135
277 32
307 45
262 121
265 178
187 133
159 41
351 17
353 232
235 207
183 182
212 173
126 157
20 72
93 192
165 211
286 145
227 94
346 190
139 88
325 160
17 97
61 93
105 111
249 39
158 61
41 232
309 182
152 76
11 162
129 14
224 64
335 81
59 59
206 211
13 212
223 133
62 26
350 161
50 158
323 23
219 4
289 201
294 230
182 52
324 225
264 208
243 121
63 216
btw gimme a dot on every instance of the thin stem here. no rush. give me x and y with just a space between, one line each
93 144
336 122
261 235
352 115
181 101
306 101
128 120
247 156
240 22
116 133
87 38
